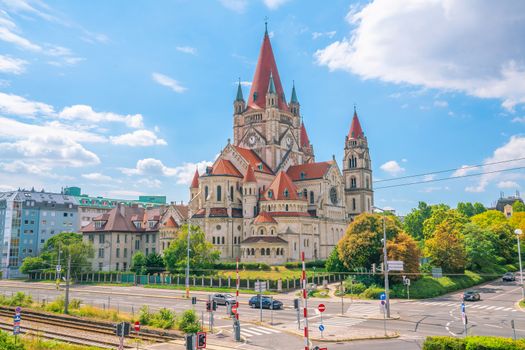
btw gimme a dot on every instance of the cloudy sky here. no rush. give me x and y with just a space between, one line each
126 98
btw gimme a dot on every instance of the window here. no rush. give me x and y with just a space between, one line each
270 194
101 238
65 214
100 266
152 250
125 252
101 252
219 193
294 245
147 251
286 207
116 266
305 193
118 238
368 204
218 227
253 251
231 193
353 204
205 193
213 240
367 182
303 175
137 244
124 266
286 193
268 251
353 182
153 238
262 251
311 197
125 238
352 162
147 238
222 240
117 253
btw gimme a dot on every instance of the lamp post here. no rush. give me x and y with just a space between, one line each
385 265
518 233
188 245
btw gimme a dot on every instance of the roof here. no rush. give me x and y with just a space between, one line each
183 210
264 218
502 202
195 181
305 141
40 197
249 176
282 188
239 96
294 95
266 66
121 218
265 239
254 160
308 171
171 223
355 129
225 167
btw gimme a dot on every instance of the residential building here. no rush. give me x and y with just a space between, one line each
504 204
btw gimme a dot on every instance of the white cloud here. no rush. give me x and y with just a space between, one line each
392 167
187 49
164 80
125 194
245 83
12 65
463 170
274 4
18 105
154 167
440 103
238 6
97 177
518 120
404 160
152 183
434 189
508 184
84 112
8 36
138 138
478 48
317 35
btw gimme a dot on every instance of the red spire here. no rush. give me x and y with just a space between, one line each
265 66
249 176
355 129
305 141
195 181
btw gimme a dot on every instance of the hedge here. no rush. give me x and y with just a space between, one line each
309 264
472 343
242 266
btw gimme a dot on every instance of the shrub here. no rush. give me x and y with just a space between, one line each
472 343
354 288
164 319
188 322
144 315
372 292
21 299
7 342
444 343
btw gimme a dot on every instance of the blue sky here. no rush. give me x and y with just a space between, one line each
127 98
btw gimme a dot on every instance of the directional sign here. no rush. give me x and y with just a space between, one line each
382 296
395 265
17 318
260 286
321 308
321 327
137 326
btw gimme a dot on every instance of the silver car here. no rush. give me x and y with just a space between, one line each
223 299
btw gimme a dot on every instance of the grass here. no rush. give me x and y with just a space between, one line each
522 303
277 272
37 343
203 289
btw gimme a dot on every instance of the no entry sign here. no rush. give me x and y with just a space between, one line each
321 308
234 309
137 326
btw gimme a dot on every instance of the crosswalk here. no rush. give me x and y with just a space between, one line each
339 322
363 309
254 331
469 306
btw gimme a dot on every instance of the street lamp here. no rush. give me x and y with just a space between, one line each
188 245
385 265
519 232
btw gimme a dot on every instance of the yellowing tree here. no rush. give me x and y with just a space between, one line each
405 248
517 220
446 248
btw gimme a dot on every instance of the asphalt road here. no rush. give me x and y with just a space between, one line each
418 319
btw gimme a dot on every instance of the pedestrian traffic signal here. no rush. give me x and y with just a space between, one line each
296 304
208 306
193 300
201 340
214 305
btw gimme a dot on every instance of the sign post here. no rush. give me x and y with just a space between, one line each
382 297
321 308
342 291
464 317
136 326
260 287
16 322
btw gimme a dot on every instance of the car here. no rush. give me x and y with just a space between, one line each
223 299
508 277
471 295
267 303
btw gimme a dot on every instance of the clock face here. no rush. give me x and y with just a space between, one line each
251 140
333 195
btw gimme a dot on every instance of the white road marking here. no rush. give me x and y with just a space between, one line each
499 308
484 306
490 307
250 332
263 329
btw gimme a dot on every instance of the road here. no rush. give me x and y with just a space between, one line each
418 319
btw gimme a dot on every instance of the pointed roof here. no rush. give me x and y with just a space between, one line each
282 188
305 141
239 96
271 85
355 129
249 176
308 171
195 181
266 67
225 167
294 95
253 159
171 223
264 218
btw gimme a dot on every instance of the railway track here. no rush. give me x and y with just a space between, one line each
106 329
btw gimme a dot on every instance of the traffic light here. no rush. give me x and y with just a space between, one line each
194 300
208 306
214 305
296 304
201 340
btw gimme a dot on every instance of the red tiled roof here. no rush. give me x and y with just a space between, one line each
264 218
280 185
355 129
249 176
225 167
171 223
120 219
200 213
305 141
255 161
265 66
309 171
195 181
183 210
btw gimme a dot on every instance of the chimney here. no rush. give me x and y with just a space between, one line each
122 209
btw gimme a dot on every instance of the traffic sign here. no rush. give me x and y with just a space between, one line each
201 340
18 309
321 327
16 330
382 296
395 265
260 286
234 309
137 326
17 318
321 308
59 268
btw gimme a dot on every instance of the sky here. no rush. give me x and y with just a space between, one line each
127 98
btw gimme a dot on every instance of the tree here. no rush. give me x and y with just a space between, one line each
517 220
138 263
479 247
442 214
333 263
405 248
68 243
518 207
468 209
202 253
189 322
502 233
361 246
479 208
154 263
413 223
488 218
446 248
33 263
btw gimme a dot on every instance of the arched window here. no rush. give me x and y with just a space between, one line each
262 251
271 231
270 194
219 193
352 162
367 182
305 193
253 251
353 182
205 193
311 197
222 240
231 193
368 204
268 251
261 232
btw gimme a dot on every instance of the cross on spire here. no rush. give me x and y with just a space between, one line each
266 24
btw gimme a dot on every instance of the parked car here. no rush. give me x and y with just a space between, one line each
255 302
508 277
471 295
223 299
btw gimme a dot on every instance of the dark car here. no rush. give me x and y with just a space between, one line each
267 303
471 295
223 299
508 277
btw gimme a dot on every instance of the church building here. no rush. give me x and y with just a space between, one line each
266 198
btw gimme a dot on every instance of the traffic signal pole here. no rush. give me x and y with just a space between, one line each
68 276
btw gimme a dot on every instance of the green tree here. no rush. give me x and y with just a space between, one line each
479 208
470 209
413 223
189 322
518 207
33 263
502 233
202 253
517 220
442 214
446 248
154 263
138 263
68 243
479 247
489 218
333 263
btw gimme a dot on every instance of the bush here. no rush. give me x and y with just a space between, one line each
355 287
144 315
372 292
309 264
164 319
7 342
188 322
472 343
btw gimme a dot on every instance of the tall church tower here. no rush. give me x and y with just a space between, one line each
357 171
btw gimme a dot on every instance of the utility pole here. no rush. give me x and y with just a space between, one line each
188 246
518 233
385 266
66 300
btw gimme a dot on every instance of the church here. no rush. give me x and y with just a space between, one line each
266 198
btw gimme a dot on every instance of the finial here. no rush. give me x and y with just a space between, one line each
266 24
229 141
355 108
239 81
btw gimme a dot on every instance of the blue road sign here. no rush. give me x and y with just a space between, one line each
17 318
463 307
321 327
16 330
18 309
382 296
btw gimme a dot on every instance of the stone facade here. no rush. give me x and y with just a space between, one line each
266 198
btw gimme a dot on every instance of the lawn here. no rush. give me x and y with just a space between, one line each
203 289
276 273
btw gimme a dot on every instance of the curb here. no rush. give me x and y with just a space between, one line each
324 340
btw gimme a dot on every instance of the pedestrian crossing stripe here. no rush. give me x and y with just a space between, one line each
468 306
253 331
339 321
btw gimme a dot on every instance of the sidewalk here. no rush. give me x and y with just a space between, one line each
213 343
